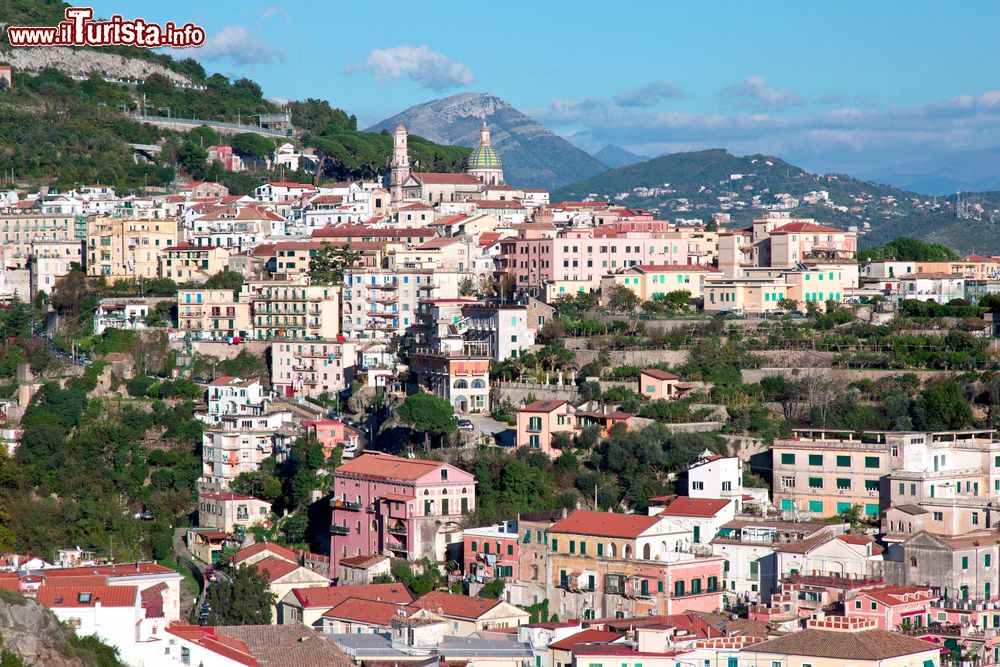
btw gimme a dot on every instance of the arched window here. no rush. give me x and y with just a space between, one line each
461 384
613 550
646 552
374 526
913 561
478 384
628 551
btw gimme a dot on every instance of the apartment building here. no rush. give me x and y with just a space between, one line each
759 290
622 565
294 309
240 443
454 371
962 567
186 263
213 314
491 552
233 396
648 281
946 483
780 240
20 231
539 421
540 254
409 507
125 247
128 314
828 472
227 511
312 367
379 304
51 260
235 227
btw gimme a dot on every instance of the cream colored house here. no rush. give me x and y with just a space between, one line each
648 281
128 247
468 615
212 313
184 263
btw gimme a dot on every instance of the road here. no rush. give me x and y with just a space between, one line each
487 425
186 558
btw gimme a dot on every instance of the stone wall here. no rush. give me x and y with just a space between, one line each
518 392
227 351
751 375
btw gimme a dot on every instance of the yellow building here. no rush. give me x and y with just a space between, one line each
19 232
187 263
294 310
828 472
651 280
212 313
128 247
758 290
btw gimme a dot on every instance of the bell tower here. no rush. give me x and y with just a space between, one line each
400 169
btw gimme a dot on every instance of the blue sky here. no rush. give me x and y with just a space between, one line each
850 85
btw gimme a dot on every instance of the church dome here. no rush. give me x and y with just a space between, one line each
484 157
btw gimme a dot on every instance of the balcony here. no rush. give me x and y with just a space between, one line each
341 504
395 545
339 530
397 530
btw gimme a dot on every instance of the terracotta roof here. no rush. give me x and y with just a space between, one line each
542 406
623 650
67 597
694 507
270 547
806 227
585 637
386 466
211 639
363 561
366 611
82 580
803 546
860 540
351 231
458 606
275 568
445 179
915 510
658 374
894 595
499 203
291 185
862 645
931 275
288 645
117 570
334 595
9 581
604 524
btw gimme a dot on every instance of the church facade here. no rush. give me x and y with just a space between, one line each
483 170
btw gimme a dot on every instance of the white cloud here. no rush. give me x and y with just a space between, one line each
756 93
238 45
420 64
648 94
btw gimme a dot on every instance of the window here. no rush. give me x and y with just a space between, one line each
698 486
938 516
815 482
986 560
754 566
475 546
815 459
678 588
816 506
572 546
843 483
843 461
555 545
871 485
788 459
965 562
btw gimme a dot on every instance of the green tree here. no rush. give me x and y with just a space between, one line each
906 249
428 413
621 299
253 144
244 600
492 590
231 280
327 266
941 406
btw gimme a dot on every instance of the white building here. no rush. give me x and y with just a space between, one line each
939 287
234 396
240 443
701 516
118 314
713 476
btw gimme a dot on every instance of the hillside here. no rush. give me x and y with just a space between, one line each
57 130
533 157
699 183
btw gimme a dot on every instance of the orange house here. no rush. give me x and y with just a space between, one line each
657 385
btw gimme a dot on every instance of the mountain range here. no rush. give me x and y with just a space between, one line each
533 156
616 156
968 171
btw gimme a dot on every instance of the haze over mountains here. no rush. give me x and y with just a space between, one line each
533 156
967 171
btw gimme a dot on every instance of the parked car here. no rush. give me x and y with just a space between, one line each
466 425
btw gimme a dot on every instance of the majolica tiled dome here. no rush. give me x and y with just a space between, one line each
484 157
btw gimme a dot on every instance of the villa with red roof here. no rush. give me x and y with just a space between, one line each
604 564
468 615
408 508
139 575
306 606
113 613
893 606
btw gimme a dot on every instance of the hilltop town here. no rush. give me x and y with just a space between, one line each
440 417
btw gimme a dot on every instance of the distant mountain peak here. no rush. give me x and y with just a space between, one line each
532 155
616 156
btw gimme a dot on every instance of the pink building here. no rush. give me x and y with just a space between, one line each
330 433
491 552
402 507
892 606
540 254
537 422
661 385
225 155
